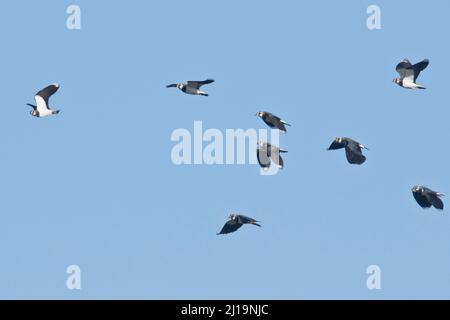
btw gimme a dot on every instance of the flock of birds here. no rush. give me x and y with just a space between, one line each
268 154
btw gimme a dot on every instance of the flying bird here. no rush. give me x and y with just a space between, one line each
267 153
41 109
409 73
426 197
273 121
192 87
235 222
353 149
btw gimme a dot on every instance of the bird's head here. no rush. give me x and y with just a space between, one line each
259 114
397 81
175 85
34 113
232 216
416 189
337 144
260 143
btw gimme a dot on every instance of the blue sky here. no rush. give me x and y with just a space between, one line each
95 185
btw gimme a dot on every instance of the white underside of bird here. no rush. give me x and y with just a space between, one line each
411 85
42 108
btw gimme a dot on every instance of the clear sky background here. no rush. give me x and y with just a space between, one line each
95 185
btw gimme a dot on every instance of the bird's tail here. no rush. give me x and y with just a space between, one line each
363 147
256 224
438 204
420 87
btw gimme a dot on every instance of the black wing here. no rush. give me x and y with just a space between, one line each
405 64
275 155
421 199
47 92
418 67
433 198
437 203
273 121
230 226
404 68
198 84
354 153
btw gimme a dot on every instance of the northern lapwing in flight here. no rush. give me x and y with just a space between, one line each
267 153
273 121
235 222
353 149
426 197
409 73
41 109
192 87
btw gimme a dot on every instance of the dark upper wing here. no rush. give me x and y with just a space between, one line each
47 92
230 226
198 84
433 198
421 199
403 66
244 219
263 158
405 70
420 66
353 153
273 121
272 150
280 162
275 155
437 203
